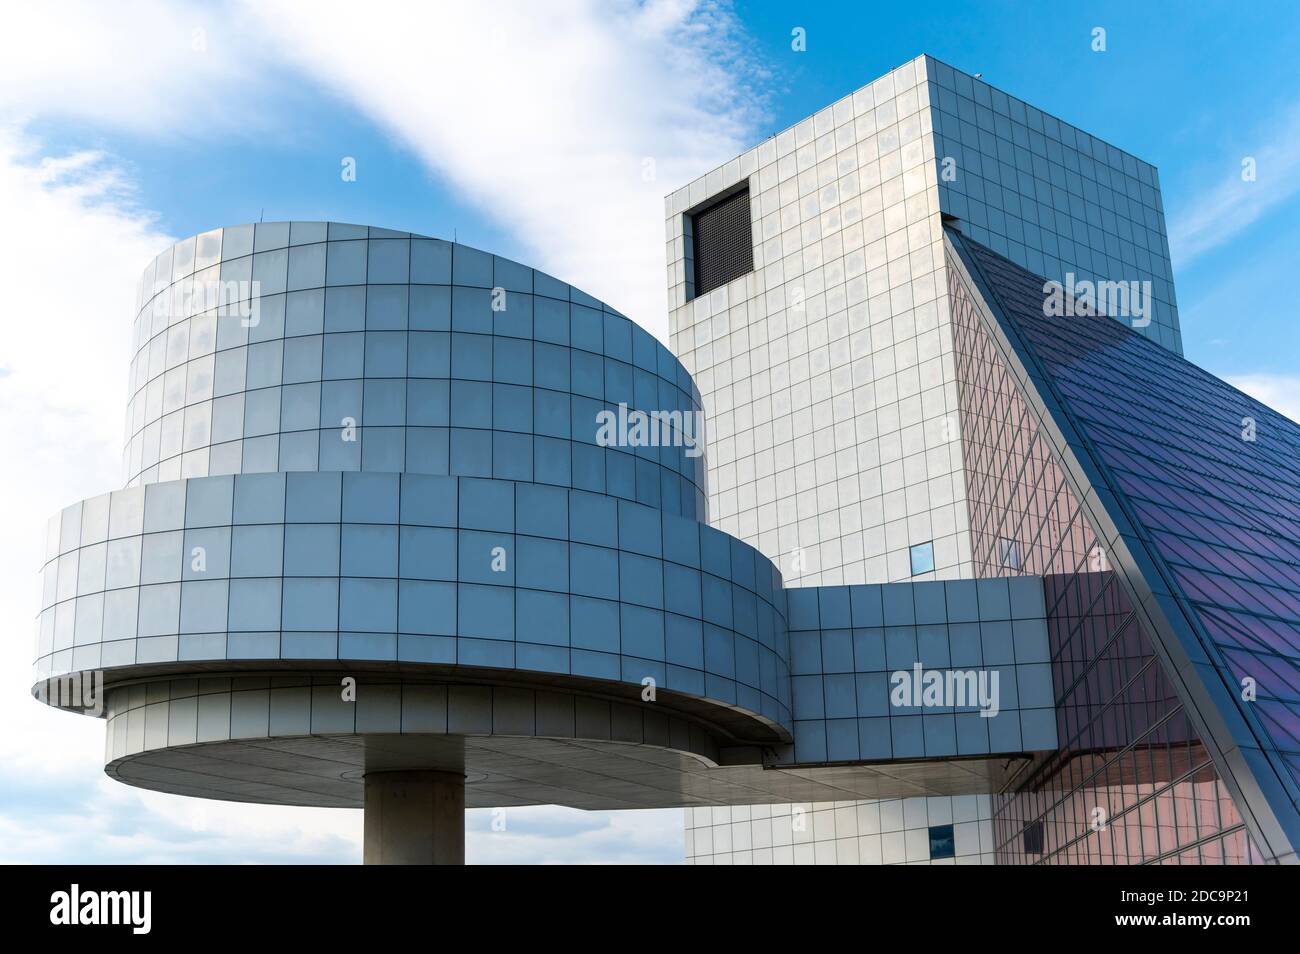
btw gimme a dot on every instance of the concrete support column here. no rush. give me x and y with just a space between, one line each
414 818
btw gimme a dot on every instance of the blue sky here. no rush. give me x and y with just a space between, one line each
1190 88
521 128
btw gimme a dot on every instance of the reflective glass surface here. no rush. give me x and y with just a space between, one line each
359 349
1132 781
422 569
1048 195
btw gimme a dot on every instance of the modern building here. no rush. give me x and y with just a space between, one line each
968 570
846 384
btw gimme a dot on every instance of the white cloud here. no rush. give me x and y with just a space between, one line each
178 69
73 249
566 122
70 256
545 115
93 820
547 834
1281 392
1214 214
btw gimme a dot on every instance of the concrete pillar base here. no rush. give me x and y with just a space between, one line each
414 818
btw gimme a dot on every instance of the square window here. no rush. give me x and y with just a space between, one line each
922 558
721 242
941 842
1009 553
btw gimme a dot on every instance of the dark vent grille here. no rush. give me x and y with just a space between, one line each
724 244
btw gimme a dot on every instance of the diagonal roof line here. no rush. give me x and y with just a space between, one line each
1241 746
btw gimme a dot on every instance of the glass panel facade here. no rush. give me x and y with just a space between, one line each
384 352
1210 481
1048 195
1131 782
829 372
426 569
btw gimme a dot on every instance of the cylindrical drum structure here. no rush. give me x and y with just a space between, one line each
396 505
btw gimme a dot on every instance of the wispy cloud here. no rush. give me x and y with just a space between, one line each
69 268
70 258
180 70
85 818
1227 205
1281 392
546 834
568 127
